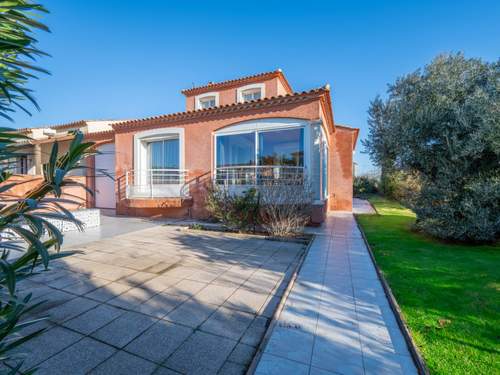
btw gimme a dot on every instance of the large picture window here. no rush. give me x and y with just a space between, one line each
282 147
255 157
236 150
273 147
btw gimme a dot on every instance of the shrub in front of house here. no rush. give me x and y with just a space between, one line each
279 209
236 211
286 208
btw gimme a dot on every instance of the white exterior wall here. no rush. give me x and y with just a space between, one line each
315 166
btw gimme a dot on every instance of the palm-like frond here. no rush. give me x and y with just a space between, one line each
18 51
25 225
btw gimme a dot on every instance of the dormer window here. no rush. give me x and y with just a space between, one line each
251 92
209 100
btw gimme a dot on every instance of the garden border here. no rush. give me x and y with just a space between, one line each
267 335
417 357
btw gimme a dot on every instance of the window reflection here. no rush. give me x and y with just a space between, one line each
238 149
164 154
282 147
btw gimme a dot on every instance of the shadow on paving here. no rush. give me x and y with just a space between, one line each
161 300
336 318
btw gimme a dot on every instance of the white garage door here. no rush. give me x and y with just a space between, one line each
105 187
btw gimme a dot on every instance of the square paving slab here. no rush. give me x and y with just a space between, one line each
162 300
336 318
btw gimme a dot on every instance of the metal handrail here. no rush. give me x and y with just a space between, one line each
263 166
259 175
155 182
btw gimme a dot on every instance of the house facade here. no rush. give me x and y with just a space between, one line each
238 133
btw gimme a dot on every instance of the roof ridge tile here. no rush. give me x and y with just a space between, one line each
230 81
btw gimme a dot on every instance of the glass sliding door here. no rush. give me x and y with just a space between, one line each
163 155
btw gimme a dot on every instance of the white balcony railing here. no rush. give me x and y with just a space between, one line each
259 175
156 183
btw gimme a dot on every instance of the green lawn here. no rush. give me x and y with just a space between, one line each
449 293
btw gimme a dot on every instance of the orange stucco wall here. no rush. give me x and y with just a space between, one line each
340 183
198 156
25 183
198 152
273 87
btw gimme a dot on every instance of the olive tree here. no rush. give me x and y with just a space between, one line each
442 124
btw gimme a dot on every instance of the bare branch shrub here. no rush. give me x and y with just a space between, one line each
286 206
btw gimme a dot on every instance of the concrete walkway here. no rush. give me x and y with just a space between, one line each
336 319
362 206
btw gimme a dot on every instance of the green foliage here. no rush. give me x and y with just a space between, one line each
448 292
441 126
25 228
235 211
24 223
281 209
471 213
400 185
380 144
17 52
363 185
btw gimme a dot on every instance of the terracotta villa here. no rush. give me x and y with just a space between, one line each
237 132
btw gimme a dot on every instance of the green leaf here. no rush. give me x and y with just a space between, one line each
34 242
9 276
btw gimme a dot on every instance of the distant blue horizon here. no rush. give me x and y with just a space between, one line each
117 60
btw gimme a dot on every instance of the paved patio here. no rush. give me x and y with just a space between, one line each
159 300
111 226
336 319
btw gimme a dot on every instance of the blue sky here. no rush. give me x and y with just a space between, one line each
118 59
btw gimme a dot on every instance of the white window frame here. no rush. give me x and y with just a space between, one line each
141 140
324 163
198 98
240 90
260 126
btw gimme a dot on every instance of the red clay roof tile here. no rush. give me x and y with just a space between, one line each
275 100
237 81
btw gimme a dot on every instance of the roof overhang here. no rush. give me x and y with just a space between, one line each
321 94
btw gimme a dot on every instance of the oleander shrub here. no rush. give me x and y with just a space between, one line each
29 239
